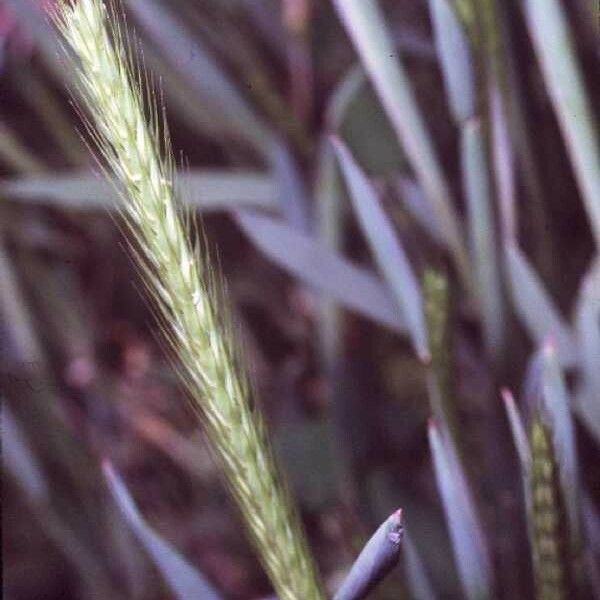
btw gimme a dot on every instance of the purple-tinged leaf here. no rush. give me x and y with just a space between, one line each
366 26
587 324
379 556
210 82
517 429
185 582
502 156
205 189
293 196
555 49
388 251
19 460
482 235
466 534
535 308
454 54
309 260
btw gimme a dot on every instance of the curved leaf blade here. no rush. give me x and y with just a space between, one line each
204 189
535 308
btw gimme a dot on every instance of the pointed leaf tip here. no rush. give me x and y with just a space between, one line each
378 557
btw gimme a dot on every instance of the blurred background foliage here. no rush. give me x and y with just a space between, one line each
343 268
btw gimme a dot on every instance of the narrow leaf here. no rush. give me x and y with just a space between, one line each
343 96
368 31
19 460
386 247
185 581
587 323
482 234
330 225
502 156
293 196
206 189
195 63
454 54
379 556
535 308
465 530
548 28
355 288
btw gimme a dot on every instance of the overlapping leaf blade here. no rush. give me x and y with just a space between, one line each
355 288
189 56
386 247
466 534
205 189
535 308
482 234
587 323
549 31
455 57
378 557
367 28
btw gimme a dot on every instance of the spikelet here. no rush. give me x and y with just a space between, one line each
125 125
546 520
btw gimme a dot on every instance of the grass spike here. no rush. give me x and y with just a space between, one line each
547 543
186 289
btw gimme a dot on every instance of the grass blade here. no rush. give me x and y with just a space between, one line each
204 189
185 581
502 157
18 459
454 55
309 260
465 530
330 227
388 251
201 70
378 557
518 431
367 28
587 319
535 308
548 28
293 197
482 234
